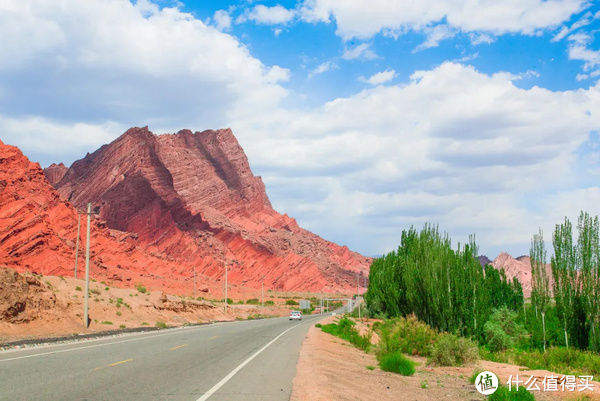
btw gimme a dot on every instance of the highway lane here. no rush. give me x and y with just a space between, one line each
245 360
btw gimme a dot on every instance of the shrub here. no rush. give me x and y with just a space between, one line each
119 313
424 384
345 330
161 325
370 367
408 335
502 331
106 322
122 326
145 324
503 394
269 302
291 302
78 288
141 288
396 362
451 350
318 325
95 291
252 301
229 301
473 377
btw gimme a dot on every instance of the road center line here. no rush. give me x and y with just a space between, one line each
177 347
120 362
224 380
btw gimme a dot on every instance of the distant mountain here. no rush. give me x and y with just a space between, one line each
484 260
55 172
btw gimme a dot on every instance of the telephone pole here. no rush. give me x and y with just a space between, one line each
357 295
226 264
262 292
87 267
194 282
77 241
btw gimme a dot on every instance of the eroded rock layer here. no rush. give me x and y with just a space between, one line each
193 197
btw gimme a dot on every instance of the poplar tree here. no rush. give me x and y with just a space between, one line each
540 291
564 274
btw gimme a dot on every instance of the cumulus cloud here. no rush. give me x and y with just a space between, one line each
361 51
97 61
453 146
435 35
365 18
275 15
579 49
380 77
222 20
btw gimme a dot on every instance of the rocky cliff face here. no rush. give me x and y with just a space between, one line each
38 231
55 172
193 197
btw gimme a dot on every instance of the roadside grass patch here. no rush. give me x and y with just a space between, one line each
503 394
161 325
556 359
145 324
370 367
424 384
451 350
344 329
473 377
141 288
269 302
78 288
252 301
398 363
291 302
406 334
107 322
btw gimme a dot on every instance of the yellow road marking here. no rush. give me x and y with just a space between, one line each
115 364
179 346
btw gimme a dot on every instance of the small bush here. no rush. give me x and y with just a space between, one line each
95 291
370 367
252 301
345 330
122 326
269 302
291 302
318 325
145 324
503 394
451 350
119 313
408 335
78 288
161 325
396 362
473 377
502 331
424 384
141 288
106 322
229 301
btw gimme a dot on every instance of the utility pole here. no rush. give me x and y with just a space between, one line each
87 267
226 264
194 282
77 241
262 292
357 300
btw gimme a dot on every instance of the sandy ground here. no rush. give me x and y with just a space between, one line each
330 369
113 308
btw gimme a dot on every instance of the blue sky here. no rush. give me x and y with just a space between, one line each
362 117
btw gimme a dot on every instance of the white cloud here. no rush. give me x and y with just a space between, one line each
98 61
479 38
365 18
584 21
275 15
361 51
470 151
579 49
324 67
222 20
380 77
435 35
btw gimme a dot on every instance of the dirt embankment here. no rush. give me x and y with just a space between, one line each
331 369
33 306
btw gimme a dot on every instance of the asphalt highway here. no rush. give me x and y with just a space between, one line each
244 360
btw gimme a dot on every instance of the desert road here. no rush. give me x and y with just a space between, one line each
244 360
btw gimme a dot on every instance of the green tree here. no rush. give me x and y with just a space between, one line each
540 287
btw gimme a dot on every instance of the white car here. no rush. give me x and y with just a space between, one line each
295 315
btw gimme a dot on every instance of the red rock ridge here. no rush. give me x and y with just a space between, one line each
520 268
38 231
55 172
193 197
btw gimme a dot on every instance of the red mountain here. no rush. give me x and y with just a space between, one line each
38 232
192 197
520 268
55 172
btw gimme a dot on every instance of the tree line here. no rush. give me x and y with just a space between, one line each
446 288
574 294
